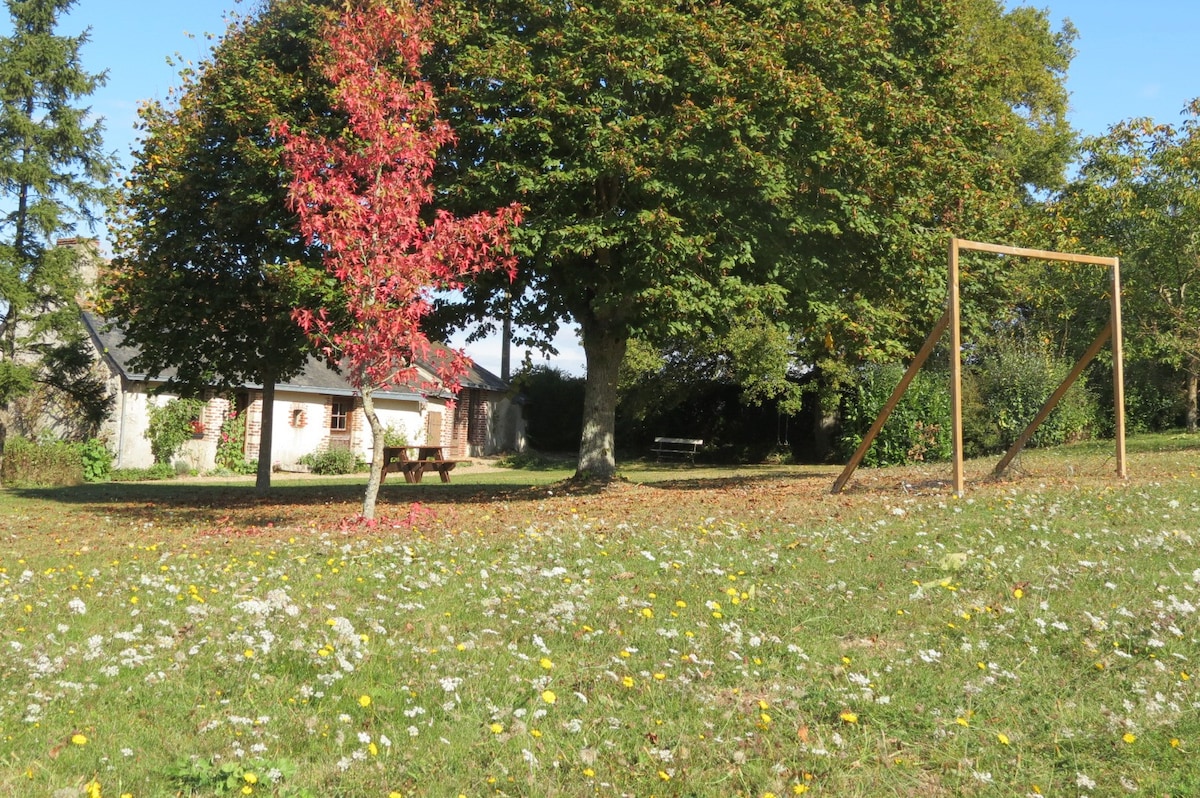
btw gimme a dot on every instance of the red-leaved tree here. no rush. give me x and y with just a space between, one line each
365 198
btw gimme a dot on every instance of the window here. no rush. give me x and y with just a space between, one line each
339 416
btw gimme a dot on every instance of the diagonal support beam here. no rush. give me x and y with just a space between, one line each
923 355
1054 399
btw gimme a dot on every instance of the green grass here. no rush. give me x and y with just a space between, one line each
693 632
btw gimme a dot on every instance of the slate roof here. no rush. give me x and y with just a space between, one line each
316 376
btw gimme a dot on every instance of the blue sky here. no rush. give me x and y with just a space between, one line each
1133 59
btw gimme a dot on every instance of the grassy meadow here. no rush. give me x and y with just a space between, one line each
687 632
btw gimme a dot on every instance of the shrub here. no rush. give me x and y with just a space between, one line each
96 459
1011 382
332 462
231 445
394 436
171 425
918 428
48 464
553 408
155 472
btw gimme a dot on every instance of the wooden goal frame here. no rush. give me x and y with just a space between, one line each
952 320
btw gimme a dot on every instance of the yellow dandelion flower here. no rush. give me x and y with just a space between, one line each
961 721
364 701
395 794
1018 593
1128 737
589 773
250 778
496 728
549 697
799 789
535 733
659 676
1003 738
681 604
372 749
627 681
1174 742
664 775
247 790
79 739
248 653
849 717
546 663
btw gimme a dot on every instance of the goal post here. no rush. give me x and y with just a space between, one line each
952 320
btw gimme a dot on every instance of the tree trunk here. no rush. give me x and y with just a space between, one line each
604 351
376 478
1193 383
266 432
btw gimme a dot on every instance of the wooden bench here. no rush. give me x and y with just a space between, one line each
429 458
676 447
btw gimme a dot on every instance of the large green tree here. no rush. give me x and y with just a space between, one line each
209 259
683 164
53 174
1137 196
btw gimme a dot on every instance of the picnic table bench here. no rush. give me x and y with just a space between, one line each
429 458
676 447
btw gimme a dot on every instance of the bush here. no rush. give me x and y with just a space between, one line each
231 445
96 459
553 408
42 465
155 472
918 428
171 425
332 462
1008 387
395 436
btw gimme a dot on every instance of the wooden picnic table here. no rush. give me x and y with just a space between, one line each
429 458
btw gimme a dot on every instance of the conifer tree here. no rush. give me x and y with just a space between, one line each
53 174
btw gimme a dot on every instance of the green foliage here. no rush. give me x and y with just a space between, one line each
332 462
683 163
53 172
41 464
917 430
1009 385
530 460
171 426
156 472
231 445
553 408
237 778
204 237
1138 197
1153 399
395 436
97 460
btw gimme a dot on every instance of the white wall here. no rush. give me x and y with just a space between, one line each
300 420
